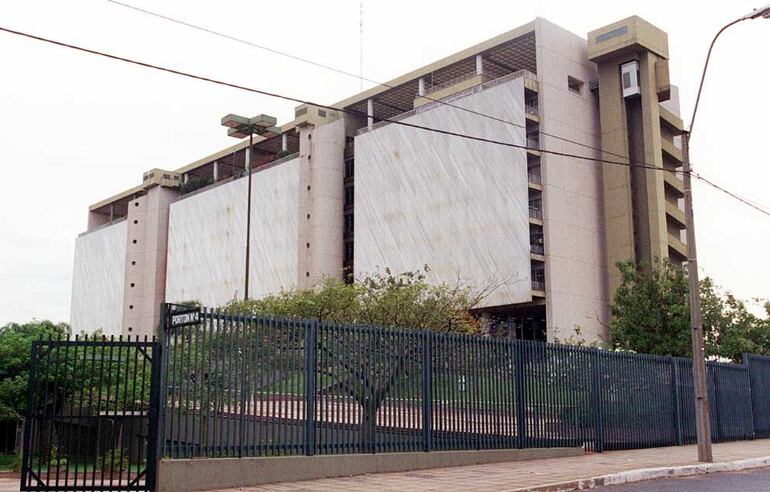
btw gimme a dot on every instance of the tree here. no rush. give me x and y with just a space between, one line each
650 314
729 327
366 368
15 352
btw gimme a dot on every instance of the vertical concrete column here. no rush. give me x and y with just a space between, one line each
146 244
321 199
216 171
370 113
479 65
284 142
421 86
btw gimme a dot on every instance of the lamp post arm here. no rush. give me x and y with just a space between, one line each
705 67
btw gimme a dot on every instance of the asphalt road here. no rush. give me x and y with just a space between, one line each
747 481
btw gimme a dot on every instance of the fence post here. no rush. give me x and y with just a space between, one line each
675 400
599 408
716 419
154 427
32 395
521 428
752 415
426 392
311 338
162 389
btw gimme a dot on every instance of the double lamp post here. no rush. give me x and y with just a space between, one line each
241 127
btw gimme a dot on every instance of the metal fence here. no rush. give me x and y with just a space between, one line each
92 415
250 386
759 377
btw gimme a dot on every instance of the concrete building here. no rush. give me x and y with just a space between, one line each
343 193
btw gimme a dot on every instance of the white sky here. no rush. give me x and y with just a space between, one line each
75 129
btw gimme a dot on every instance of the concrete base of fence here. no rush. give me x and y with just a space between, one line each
220 473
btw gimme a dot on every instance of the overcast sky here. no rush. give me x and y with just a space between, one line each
75 129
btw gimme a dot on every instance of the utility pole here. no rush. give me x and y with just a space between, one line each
702 411
700 384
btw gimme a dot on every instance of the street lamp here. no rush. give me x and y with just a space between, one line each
240 127
702 422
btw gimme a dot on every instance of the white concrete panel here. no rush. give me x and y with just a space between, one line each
576 266
97 280
206 239
456 205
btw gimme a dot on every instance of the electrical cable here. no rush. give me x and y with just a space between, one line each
360 113
344 72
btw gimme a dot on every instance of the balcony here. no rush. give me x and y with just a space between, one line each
533 140
677 246
536 246
668 147
535 211
450 87
674 181
530 107
533 176
675 213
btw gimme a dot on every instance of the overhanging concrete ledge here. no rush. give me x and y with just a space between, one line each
217 473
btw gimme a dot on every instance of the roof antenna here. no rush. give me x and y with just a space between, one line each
361 43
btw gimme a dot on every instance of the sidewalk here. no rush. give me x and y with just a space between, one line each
522 475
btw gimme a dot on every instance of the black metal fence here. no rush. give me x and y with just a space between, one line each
249 386
92 415
759 381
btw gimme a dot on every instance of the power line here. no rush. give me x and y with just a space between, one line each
360 113
331 108
349 74
361 77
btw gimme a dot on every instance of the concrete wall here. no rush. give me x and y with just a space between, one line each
457 205
97 280
320 204
145 262
206 239
223 473
573 214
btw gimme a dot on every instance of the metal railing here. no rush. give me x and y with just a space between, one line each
533 175
536 246
533 140
250 386
450 99
449 83
530 106
535 212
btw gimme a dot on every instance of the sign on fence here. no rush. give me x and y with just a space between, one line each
185 318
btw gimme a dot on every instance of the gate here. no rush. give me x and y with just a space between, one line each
92 415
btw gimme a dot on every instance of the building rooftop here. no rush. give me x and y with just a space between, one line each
503 54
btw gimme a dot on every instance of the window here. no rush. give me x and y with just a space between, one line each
575 86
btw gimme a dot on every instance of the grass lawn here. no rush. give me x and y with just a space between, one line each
9 462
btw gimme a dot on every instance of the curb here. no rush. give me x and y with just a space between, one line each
649 474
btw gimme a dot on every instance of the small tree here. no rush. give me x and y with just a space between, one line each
650 312
367 368
15 352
